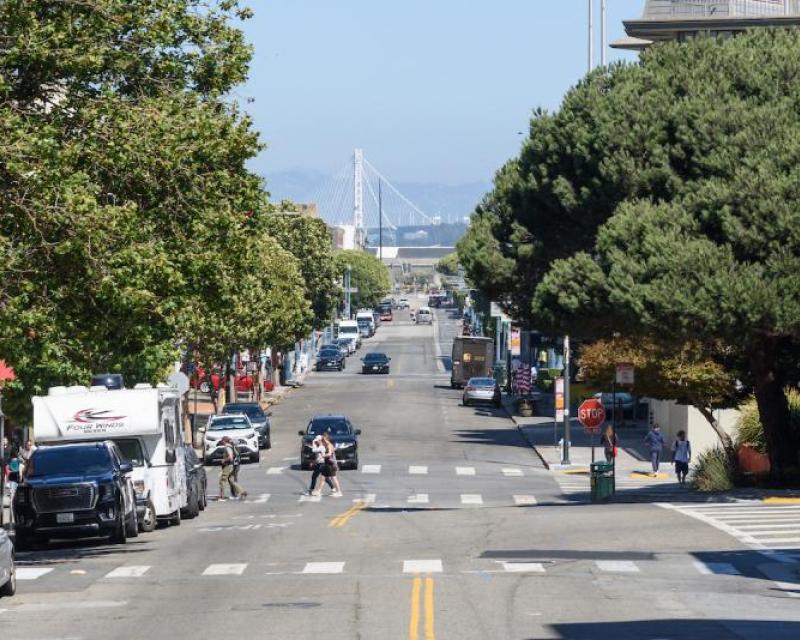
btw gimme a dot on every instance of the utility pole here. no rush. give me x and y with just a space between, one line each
380 221
591 35
565 455
603 31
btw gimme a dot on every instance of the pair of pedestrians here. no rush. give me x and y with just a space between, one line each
681 451
324 466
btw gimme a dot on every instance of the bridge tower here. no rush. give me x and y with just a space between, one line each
358 197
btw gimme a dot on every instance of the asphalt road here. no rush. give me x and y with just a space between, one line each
451 529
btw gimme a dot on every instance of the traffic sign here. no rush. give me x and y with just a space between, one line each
591 414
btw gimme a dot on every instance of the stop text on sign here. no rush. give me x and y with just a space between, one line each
591 414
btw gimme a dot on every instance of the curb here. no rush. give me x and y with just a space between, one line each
525 437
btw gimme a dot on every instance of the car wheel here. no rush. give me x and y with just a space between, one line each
175 518
148 522
268 445
22 542
256 457
120 534
203 498
132 525
10 587
204 388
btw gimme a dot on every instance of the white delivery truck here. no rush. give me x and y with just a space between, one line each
366 316
146 425
349 329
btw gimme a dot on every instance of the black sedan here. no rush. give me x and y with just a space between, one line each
259 418
330 359
342 434
375 363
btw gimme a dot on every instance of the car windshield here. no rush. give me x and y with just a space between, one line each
252 411
334 426
375 357
363 323
233 422
329 351
481 382
131 451
90 460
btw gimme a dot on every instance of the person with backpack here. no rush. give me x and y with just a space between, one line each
681 454
230 463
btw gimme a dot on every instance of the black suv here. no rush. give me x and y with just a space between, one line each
330 359
75 490
342 434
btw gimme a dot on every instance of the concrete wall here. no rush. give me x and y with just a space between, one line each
673 417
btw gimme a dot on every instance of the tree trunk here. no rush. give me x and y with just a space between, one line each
783 445
724 437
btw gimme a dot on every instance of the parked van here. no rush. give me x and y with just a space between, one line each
349 329
144 422
367 316
424 316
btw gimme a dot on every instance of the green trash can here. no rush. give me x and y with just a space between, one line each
602 481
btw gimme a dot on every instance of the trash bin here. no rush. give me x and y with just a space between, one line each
602 481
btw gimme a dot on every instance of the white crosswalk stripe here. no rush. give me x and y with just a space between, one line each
418 498
422 566
716 568
31 573
224 569
617 566
324 567
761 525
512 472
471 498
524 500
523 567
307 498
275 471
415 470
261 499
371 468
128 572
465 471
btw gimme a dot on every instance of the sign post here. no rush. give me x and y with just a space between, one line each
591 414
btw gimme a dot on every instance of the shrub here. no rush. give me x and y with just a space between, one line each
749 428
713 471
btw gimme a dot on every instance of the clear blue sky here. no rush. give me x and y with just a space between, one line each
433 90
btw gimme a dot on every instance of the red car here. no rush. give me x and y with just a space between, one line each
244 382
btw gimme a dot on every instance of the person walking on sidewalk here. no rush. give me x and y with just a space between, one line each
654 440
610 443
226 475
681 454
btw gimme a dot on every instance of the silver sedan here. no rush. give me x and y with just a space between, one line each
8 576
481 390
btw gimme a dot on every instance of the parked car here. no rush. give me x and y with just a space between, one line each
342 434
75 490
403 303
424 316
259 418
239 429
330 359
626 403
8 575
375 363
348 344
244 382
196 483
366 328
481 390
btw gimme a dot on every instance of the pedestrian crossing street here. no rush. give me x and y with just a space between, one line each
762 525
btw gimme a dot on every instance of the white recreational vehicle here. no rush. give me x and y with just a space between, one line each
146 425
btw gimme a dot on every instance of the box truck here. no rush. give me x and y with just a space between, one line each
472 358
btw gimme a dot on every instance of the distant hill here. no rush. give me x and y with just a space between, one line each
451 202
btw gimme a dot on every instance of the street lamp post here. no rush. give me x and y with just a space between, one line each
603 31
565 451
591 35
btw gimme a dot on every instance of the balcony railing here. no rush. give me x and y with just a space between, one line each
683 9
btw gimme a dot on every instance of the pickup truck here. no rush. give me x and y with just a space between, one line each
75 490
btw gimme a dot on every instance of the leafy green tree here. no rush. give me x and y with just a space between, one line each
448 265
309 241
367 274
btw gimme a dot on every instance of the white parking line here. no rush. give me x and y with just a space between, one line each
224 570
128 572
716 568
523 567
418 498
274 471
617 566
31 573
471 498
371 468
513 471
524 500
418 471
465 471
422 566
324 567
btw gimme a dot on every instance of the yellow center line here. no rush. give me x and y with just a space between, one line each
418 602
342 519
429 628
413 623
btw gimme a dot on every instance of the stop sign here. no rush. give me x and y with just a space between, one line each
591 414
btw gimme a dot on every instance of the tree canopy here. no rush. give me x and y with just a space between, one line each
367 274
660 202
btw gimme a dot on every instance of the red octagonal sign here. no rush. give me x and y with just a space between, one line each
591 414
